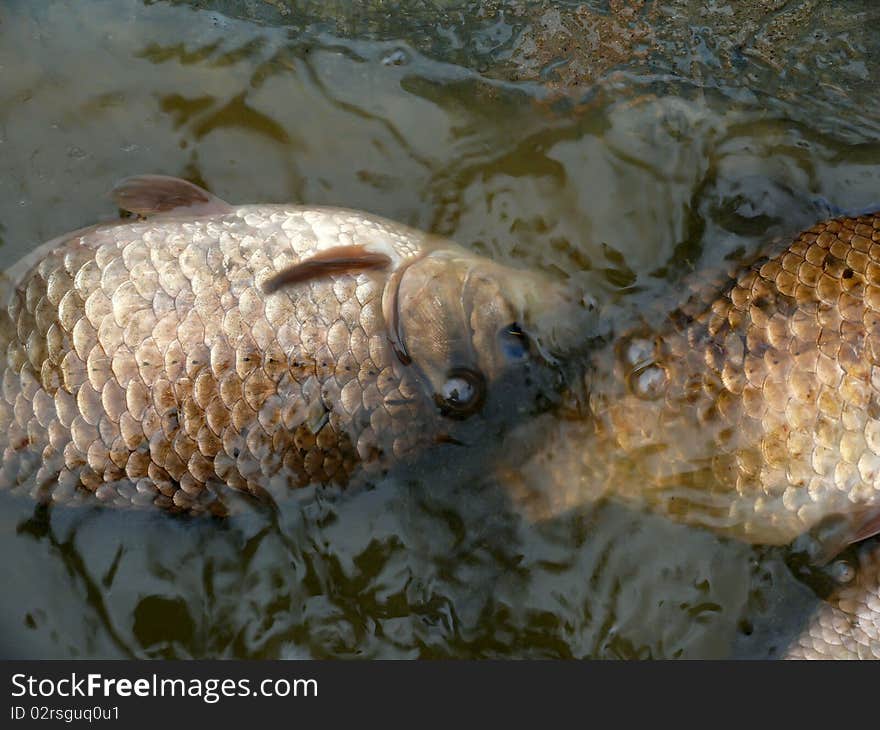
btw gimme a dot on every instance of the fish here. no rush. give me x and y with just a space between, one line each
751 409
847 626
201 351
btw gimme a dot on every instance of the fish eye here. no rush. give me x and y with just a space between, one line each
514 342
462 394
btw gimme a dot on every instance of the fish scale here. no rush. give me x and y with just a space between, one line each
847 626
135 372
752 410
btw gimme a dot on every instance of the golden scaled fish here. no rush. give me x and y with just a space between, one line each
207 347
752 410
847 626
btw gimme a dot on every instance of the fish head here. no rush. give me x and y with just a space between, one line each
488 341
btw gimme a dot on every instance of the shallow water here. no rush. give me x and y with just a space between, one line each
624 143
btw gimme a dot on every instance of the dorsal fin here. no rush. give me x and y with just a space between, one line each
337 260
149 195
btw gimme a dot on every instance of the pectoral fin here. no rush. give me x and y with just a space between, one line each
868 526
338 260
150 195
824 541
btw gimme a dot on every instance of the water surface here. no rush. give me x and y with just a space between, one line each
623 143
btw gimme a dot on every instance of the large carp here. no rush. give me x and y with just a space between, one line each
753 409
207 347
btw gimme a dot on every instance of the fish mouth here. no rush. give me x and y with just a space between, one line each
560 317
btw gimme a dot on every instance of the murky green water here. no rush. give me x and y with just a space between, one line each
623 142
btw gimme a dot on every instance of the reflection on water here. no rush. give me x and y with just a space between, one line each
389 573
625 143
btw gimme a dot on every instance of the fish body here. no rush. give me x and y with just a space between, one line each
752 410
847 626
257 348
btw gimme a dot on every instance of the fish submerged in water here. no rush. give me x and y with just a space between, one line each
848 625
256 348
753 410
